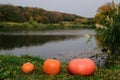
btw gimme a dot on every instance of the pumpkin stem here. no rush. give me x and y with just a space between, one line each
54 58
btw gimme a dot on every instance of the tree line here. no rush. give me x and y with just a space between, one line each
28 14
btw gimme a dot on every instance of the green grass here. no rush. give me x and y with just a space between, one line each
34 26
10 69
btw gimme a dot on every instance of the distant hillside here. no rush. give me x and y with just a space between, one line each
12 13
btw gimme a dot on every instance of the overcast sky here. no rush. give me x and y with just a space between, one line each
86 8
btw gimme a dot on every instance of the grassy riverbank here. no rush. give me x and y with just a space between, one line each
34 26
10 69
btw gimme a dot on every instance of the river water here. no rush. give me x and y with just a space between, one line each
61 44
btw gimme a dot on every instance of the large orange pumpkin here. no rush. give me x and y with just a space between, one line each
82 67
51 66
27 67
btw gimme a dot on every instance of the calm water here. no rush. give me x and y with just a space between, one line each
60 44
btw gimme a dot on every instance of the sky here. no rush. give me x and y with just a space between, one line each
85 8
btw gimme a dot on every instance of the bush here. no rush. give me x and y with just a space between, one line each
108 28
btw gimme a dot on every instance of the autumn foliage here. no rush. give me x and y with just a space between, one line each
24 14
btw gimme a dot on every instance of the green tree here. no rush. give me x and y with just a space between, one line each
10 13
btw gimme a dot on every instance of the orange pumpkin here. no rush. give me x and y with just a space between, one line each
27 67
82 67
51 66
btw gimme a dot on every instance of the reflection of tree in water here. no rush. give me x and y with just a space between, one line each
12 41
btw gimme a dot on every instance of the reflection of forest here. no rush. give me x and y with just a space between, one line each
12 41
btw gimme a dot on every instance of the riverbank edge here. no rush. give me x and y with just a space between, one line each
34 26
10 68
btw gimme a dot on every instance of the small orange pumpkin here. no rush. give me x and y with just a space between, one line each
51 66
27 67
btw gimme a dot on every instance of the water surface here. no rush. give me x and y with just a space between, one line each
60 44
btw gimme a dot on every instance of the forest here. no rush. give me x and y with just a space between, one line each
12 13
33 18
